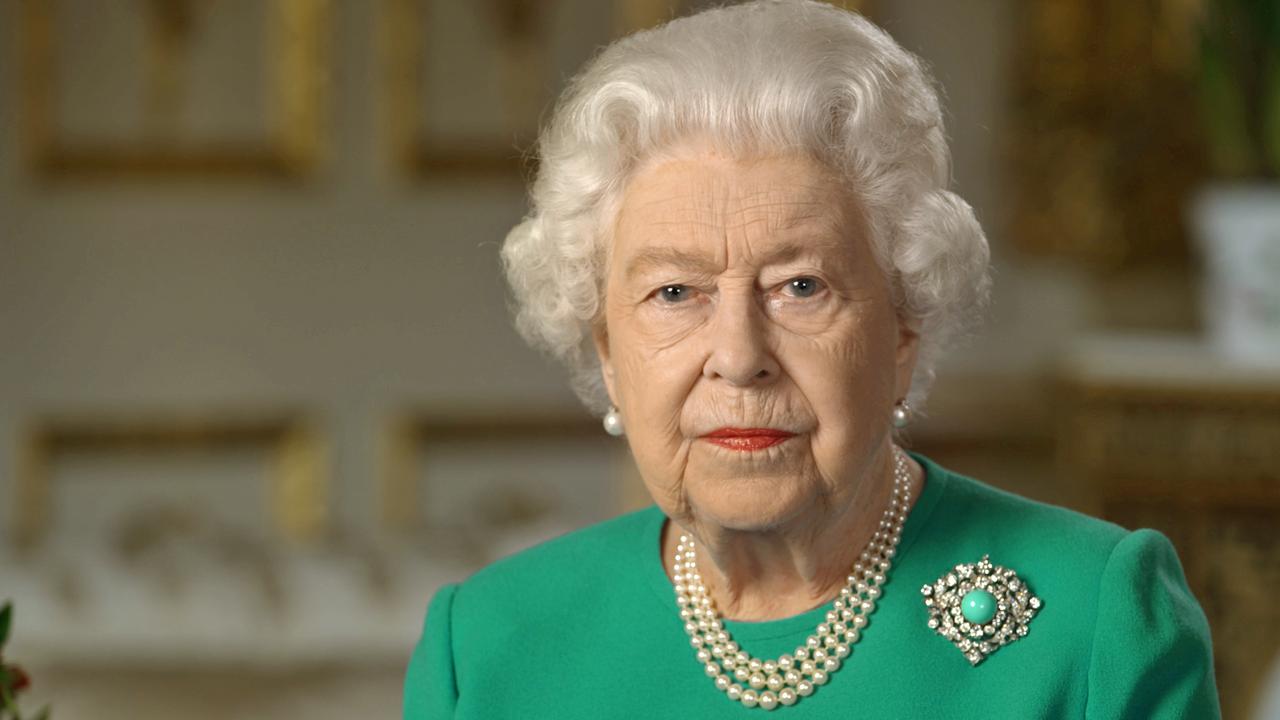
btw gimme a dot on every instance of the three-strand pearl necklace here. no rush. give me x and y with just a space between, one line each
770 683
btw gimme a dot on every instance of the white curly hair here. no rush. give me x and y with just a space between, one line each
762 77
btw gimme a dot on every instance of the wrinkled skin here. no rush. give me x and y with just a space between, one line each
744 293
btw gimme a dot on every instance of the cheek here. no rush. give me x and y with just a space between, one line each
846 375
655 371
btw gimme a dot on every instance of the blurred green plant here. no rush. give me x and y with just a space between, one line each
12 678
1240 87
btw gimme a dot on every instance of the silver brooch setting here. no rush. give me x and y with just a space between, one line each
980 607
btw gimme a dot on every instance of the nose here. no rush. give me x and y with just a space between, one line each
740 353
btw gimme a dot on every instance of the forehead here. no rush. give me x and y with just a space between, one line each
691 200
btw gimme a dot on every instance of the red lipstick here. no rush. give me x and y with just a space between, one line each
747 439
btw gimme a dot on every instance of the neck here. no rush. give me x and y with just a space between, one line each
790 569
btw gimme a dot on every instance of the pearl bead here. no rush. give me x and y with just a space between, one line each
769 667
831 665
792 677
842 651
712 670
704 655
807 667
734 692
755 665
804 688
787 696
784 662
756 681
819 656
741 674
801 653
722 682
819 677
768 700
774 682
750 698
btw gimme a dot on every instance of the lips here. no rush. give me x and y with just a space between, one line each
747 439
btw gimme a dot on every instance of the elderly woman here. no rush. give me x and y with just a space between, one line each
743 246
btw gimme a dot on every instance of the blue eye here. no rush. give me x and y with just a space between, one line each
674 293
803 287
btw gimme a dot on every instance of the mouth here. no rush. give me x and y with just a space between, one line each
747 439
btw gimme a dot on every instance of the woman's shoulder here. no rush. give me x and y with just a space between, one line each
970 512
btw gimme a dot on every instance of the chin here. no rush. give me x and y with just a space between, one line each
748 504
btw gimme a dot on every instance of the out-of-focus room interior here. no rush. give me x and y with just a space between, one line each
260 393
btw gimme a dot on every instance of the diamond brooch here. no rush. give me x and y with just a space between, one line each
980 607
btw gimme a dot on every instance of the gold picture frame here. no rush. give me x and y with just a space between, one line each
299 474
297 78
1104 146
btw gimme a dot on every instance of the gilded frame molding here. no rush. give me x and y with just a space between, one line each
298 75
414 152
299 474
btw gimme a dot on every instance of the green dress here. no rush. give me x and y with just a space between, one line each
586 626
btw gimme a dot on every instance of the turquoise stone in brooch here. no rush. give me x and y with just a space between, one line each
980 608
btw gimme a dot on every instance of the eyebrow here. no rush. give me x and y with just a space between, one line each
649 258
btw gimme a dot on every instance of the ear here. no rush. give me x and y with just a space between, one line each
907 353
600 337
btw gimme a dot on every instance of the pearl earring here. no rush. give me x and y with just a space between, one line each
901 414
613 422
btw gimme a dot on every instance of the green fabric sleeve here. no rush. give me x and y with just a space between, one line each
430 688
1152 651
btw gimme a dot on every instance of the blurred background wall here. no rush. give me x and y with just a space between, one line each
259 390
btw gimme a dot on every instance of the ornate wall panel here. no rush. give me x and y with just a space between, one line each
174 87
145 498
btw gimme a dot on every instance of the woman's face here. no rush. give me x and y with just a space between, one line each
743 300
